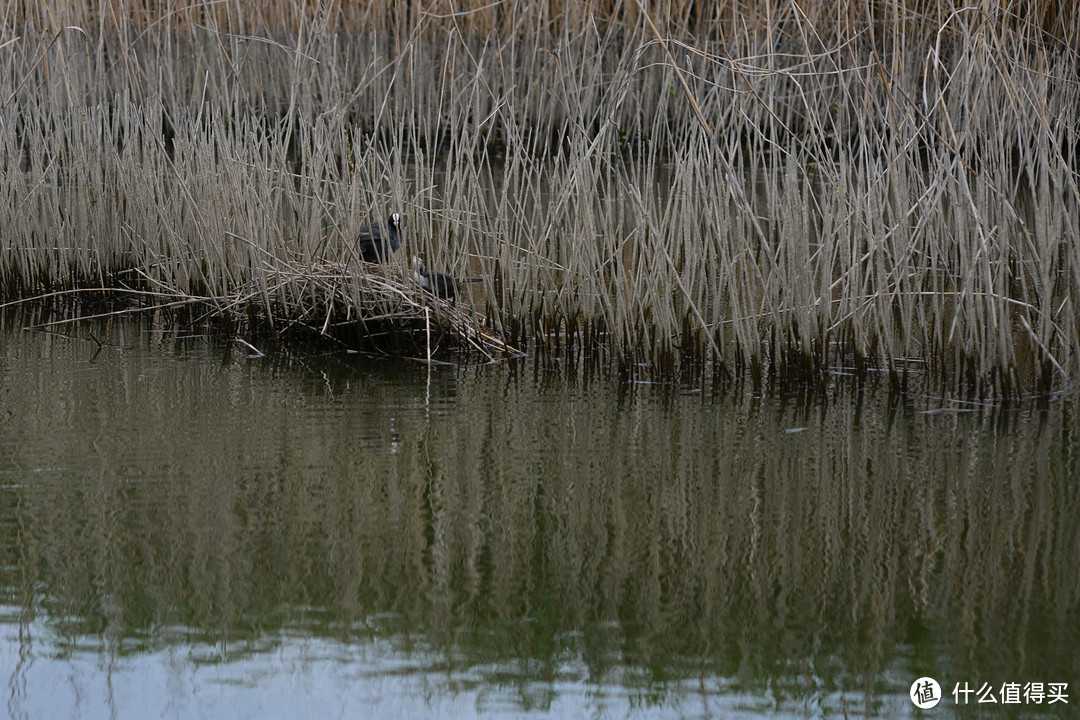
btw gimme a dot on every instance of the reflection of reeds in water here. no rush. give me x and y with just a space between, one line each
506 527
896 192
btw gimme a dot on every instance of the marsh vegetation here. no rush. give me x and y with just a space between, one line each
748 191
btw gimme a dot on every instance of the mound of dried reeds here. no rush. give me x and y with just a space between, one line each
333 300
324 301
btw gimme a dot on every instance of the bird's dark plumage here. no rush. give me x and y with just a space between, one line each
437 283
377 242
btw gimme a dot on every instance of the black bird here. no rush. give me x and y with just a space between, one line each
377 242
437 283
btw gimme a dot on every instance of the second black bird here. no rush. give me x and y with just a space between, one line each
437 283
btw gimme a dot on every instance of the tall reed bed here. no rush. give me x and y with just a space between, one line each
785 194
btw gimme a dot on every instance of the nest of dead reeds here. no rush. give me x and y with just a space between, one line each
325 300
335 301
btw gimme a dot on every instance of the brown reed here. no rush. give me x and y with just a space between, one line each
787 194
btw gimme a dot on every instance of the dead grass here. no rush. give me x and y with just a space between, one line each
786 195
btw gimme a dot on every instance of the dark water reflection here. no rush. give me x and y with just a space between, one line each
185 530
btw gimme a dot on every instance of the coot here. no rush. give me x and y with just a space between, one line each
376 242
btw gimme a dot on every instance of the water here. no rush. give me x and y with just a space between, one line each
190 531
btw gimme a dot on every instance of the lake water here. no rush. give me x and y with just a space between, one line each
188 530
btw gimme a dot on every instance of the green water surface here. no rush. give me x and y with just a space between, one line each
188 530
